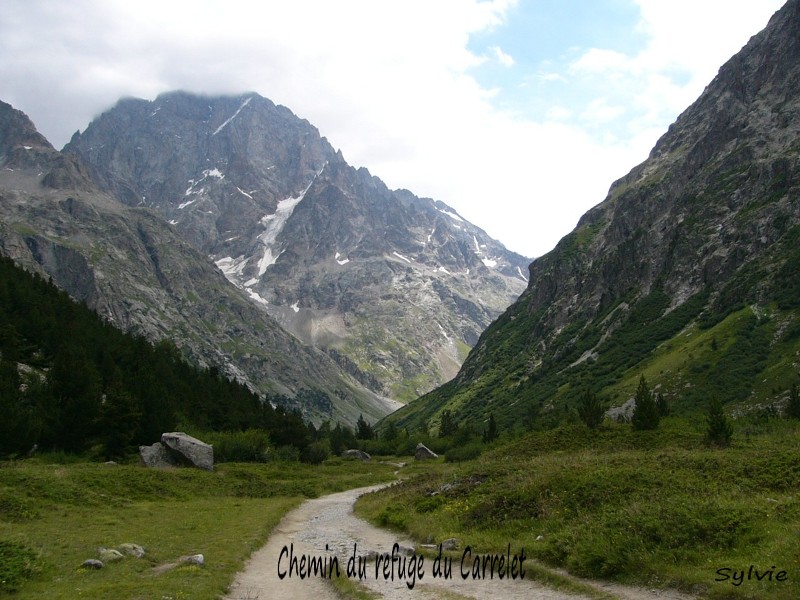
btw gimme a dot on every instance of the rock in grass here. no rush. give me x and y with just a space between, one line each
194 559
189 449
450 544
109 554
423 452
356 453
157 456
92 563
134 550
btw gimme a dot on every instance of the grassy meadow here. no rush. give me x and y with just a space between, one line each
657 508
54 516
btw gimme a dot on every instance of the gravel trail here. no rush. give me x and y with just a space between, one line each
326 527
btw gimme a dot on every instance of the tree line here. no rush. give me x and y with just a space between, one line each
72 382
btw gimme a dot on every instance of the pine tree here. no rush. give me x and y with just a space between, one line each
793 407
363 429
590 410
718 429
645 415
447 425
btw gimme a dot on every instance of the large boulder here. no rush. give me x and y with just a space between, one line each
189 450
423 452
356 453
157 456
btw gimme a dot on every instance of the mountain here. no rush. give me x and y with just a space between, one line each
393 287
687 273
139 273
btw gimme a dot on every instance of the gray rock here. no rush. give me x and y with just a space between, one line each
92 563
134 550
450 544
355 453
194 559
109 555
156 456
189 450
423 452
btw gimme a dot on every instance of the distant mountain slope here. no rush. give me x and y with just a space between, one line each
688 272
134 269
394 287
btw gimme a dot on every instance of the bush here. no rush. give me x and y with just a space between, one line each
462 453
252 445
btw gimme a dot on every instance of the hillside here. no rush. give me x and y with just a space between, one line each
393 287
688 272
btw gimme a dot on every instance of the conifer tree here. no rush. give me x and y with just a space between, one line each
447 426
645 415
718 429
590 410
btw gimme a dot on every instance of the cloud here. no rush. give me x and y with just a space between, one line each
393 84
501 57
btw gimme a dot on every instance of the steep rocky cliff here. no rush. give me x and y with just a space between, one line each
688 272
394 287
137 271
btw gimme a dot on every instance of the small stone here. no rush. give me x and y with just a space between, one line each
93 563
132 550
194 559
450 544
109 554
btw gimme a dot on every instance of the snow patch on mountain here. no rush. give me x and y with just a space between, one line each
236 114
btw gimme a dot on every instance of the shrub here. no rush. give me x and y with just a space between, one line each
241 446
462 453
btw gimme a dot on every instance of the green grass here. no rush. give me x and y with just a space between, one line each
651 508
55 516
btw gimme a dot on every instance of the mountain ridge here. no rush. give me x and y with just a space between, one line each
325 247
702 229
134 269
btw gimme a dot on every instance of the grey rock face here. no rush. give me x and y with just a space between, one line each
189 450
395 287
156 456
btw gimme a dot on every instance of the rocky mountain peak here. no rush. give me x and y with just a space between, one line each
326 248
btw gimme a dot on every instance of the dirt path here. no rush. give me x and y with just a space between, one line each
326 527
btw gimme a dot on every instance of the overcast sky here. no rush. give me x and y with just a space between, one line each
519 114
